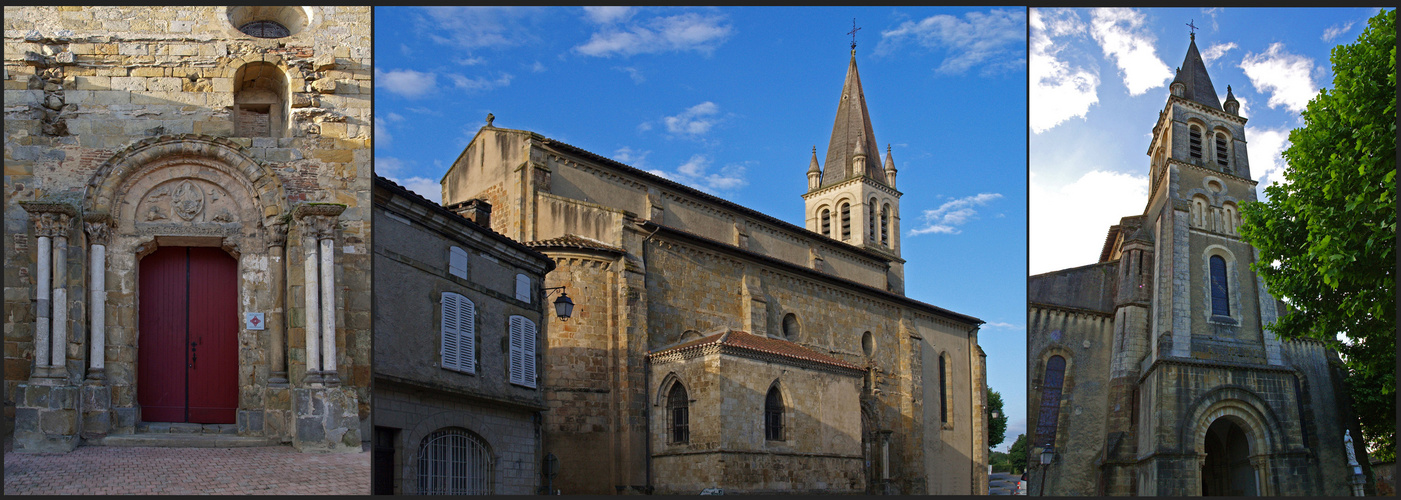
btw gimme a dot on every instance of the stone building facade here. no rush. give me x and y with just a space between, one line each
448 294
653 265
1153 372
185 200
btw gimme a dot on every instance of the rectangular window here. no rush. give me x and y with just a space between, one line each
523 288
459 333
457 262
523 339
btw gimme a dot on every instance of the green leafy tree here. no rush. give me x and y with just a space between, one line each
1019 454
1327 235
997 427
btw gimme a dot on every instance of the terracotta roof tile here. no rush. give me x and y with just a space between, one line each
737 339
573 241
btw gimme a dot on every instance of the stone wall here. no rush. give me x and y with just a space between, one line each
1084 339
92 91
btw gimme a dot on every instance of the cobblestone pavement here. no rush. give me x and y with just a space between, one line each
112 470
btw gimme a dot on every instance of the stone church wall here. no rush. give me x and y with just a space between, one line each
83 84
1084 339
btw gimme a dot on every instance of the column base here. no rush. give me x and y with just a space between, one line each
47 419
96 410
326 420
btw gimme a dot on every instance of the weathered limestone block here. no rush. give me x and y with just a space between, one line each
326 420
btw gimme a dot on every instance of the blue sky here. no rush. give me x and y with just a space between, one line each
732 101
1099 77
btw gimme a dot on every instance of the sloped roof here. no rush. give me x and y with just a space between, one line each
741 340
574 241
852 126
1193 76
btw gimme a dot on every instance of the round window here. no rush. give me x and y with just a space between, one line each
269 21
265 29
790 327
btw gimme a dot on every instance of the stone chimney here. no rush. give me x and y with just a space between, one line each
478 211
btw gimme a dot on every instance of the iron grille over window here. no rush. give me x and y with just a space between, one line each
1220 305
1050 401
454 462
677 407
265 29
773 415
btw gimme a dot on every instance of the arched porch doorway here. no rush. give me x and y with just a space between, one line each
1227 469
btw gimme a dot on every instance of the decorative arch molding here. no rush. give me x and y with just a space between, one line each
664 389
294 73
104 191
1247 409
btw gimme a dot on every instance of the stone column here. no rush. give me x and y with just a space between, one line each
318 236
59 330
51 224
277 322
43 227
98 237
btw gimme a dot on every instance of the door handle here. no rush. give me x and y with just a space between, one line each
194 355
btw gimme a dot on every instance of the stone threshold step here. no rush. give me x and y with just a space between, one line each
185 428
184 441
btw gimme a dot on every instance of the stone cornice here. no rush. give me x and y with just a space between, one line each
853 180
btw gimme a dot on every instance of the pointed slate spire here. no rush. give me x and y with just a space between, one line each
852 126
1192 75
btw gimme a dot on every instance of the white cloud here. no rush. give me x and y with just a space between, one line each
427 188
695 173
1215 52
1337 29
1288 78
479 27
1266 165
386 166
479 83
644 126
993 40
632 73
471 61
382 136
1059 91
406 82
953 213
631 156
537 67
1000 324
679 33
608 15
1067 222
694 121
1123 37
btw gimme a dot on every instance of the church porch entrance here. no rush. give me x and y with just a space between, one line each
1228 469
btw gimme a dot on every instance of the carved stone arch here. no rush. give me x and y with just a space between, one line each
294 73
1234 280
1240 404
213 155
782 393
664 389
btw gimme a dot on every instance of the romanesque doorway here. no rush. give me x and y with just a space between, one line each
187 356
1227 470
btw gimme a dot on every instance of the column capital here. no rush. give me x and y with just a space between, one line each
277 234
99 227
51 219
318 219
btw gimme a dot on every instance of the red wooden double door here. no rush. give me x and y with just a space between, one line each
187 357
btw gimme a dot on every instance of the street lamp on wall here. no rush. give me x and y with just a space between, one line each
1047 454
564 306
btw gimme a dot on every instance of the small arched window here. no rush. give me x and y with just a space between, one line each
1221 156
826 223
885 225
846 221
1229 219
871 221
678 419
1220 304
790 327
1194 142
260 103
773 415
1051 385
454 462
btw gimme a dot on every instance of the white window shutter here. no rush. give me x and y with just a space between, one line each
523 288
517 335
450 346
457 262
528 353
467 330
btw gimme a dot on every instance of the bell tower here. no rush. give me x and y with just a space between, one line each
851 196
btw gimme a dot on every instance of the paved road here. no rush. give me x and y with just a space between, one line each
1002 483
112 470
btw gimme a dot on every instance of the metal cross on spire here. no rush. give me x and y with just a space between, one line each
853 31
1193 28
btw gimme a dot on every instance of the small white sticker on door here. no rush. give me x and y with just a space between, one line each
253 321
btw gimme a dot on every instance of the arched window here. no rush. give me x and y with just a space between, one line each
454 462
871 221
885 224
1229 218
773 415
790 327
1220 304
678 418
943 388
1194 142
846 221
1221 156
827 223
1051 385
260 103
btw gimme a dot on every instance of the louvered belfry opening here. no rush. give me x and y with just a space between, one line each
454 462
